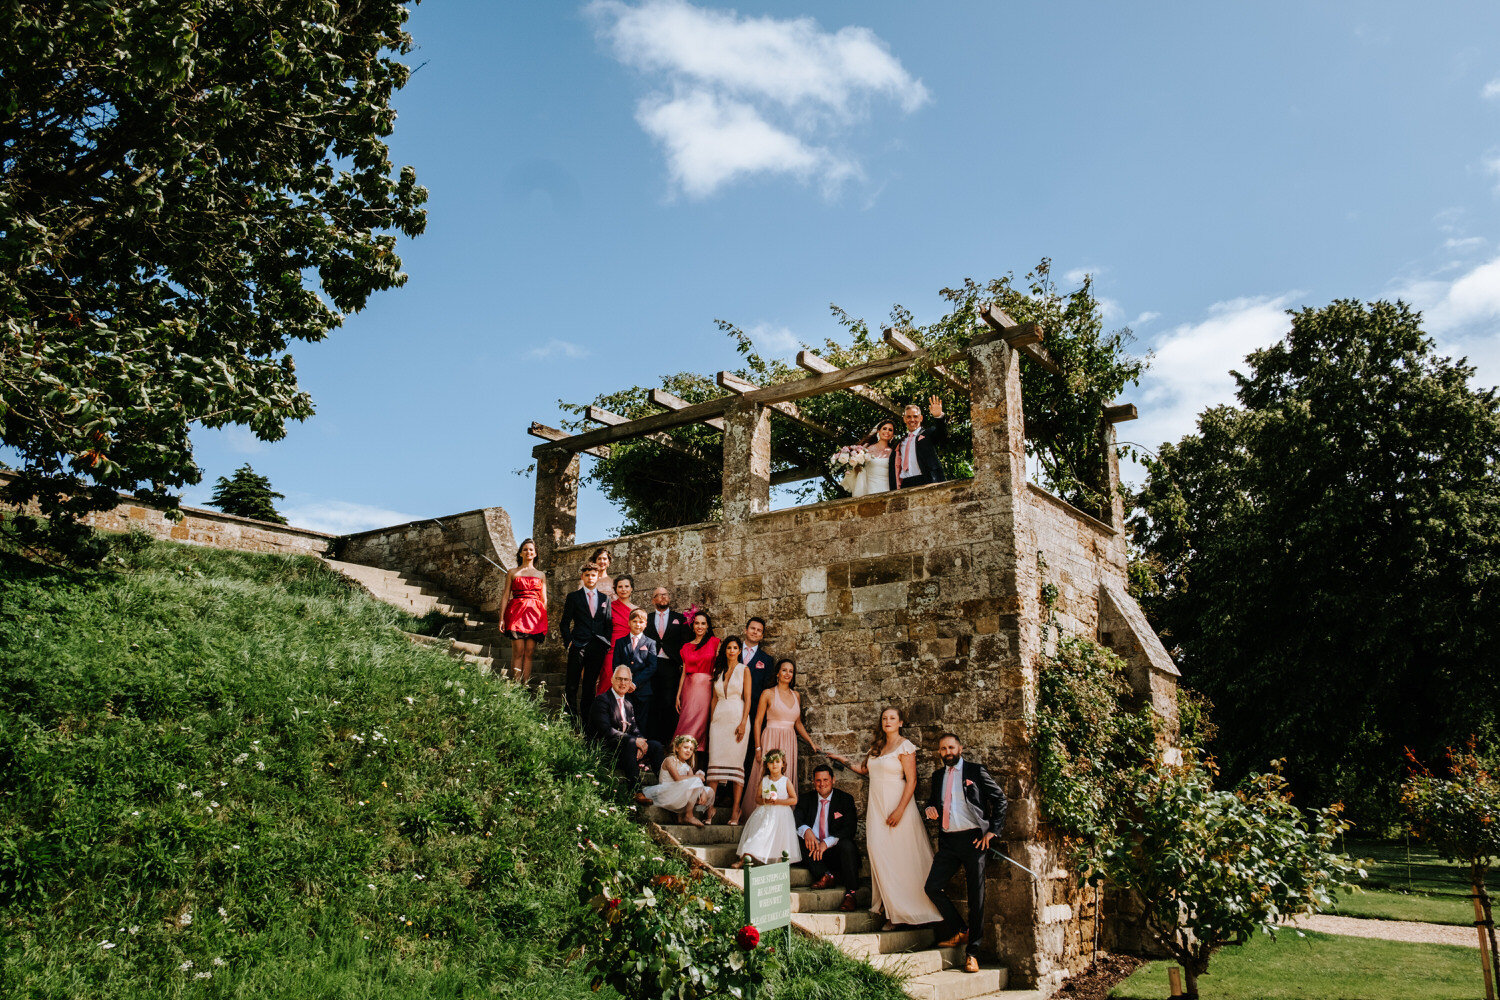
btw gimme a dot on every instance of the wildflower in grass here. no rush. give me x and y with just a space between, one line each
185 966
197 795
260 765
242 758
185 919
106 945
218 961
203 975
223 913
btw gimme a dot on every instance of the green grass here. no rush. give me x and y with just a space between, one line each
237 762
1324 967
1408 883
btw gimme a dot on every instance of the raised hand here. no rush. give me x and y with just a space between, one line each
935 406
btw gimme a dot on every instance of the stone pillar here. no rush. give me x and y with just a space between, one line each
1112 478
747 460
554 521
999 423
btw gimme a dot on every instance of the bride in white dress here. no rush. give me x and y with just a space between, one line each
875 475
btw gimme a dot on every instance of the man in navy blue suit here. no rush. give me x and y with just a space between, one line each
586 628
914 459
669 629
970 805
639 654
762 676
611 721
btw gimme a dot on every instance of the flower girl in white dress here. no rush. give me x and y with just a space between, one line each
771 831
679 788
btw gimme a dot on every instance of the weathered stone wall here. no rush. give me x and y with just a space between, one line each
212 528
467 554
931 600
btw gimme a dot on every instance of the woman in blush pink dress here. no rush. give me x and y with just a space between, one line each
695 686
778 723
900 854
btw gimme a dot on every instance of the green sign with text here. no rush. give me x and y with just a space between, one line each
768 896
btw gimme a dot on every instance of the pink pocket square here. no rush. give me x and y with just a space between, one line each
838 815
968 782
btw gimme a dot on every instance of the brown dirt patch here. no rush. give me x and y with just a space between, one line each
1095 982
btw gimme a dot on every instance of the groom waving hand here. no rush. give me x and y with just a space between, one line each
915 460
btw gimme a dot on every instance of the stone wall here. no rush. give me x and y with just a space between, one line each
468 555
928 599
208 527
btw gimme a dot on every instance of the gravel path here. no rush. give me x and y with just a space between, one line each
1390 930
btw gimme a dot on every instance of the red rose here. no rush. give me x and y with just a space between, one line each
613 904
747 937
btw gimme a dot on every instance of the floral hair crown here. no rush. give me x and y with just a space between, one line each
773 755
684 738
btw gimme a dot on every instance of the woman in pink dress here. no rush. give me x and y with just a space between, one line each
619 609
525 619
900 854
778 723
695 686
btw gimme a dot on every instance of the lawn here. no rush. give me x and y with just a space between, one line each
1313 966
229 775
1408 883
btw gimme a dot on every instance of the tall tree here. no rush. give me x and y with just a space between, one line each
657 486
185 189
247 494
1324 555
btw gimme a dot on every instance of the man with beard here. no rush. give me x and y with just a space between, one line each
971 807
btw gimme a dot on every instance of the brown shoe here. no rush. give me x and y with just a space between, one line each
850 903
823 882
956 941
971 964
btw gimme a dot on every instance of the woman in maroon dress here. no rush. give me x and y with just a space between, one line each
695 686
525 618
619 609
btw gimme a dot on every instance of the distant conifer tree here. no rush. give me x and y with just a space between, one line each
247 494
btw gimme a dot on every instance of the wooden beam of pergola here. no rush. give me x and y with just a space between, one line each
788 409
667 401
1120 413
795 475
907 346
784 392
1024 337
808 361
553 434
599 415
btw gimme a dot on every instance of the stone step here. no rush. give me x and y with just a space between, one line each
800 878
955 984
702 834
829 924
917 963
824 900
883 942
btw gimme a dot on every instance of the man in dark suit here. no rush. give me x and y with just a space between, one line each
586 629
827 823
612 722
639 654
914 459
762 677
971 807
670 630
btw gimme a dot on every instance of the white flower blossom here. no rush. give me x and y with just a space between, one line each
223 913
197 795
185 966
186 919
203 975
260 765
218 961
106 945
241 758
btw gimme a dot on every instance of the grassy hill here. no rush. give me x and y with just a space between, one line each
227 775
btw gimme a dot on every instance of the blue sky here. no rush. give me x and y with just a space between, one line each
608 179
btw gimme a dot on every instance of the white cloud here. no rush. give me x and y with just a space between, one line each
1144 318
1491 90
774 340
1465 307
1191 363
747 95
1464 243
1077 274
710 141
557 349
340 517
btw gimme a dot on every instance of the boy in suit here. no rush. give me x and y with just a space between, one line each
827 823
586 627
639 654
971 807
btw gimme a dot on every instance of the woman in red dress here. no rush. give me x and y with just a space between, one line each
695 686
525 618
619 610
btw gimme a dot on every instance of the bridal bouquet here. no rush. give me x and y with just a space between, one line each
848 458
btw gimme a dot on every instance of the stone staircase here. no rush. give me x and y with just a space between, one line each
471 635
930 973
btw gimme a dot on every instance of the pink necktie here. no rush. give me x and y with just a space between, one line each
948 795
822 819
592 609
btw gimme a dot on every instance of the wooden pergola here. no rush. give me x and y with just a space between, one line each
740 414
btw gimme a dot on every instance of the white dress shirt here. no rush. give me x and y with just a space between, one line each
825 805
748 653
909 464
962 814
